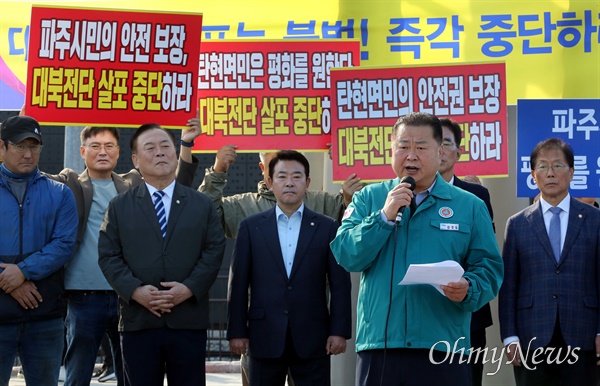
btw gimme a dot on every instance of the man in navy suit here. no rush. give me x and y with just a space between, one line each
283 257
550 297
482 318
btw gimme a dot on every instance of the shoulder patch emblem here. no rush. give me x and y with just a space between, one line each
347 213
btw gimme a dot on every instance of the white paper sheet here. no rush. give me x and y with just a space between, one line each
435 274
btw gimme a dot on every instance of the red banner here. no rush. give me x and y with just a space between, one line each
269 95
112 67
366 103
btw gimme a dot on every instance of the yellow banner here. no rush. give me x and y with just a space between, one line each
551 48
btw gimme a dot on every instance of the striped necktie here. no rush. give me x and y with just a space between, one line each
160 211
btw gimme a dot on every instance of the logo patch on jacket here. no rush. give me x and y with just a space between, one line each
446 212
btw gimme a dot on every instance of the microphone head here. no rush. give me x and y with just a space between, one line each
409 180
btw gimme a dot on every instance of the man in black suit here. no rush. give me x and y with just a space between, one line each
282 255
482 318
160 247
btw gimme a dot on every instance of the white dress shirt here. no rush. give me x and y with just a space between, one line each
288 229
167 198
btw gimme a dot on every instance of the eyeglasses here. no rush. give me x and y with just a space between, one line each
555 167
97 146
22 149
448 145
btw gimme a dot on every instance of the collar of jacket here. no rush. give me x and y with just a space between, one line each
264 192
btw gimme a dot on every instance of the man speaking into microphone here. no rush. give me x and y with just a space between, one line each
411 185
405 334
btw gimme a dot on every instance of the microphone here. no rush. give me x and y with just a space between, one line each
411 181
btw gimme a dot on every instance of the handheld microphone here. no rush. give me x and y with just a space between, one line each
411 181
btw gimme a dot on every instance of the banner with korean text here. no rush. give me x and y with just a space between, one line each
269 95
550 48
366 102
575 121
112 67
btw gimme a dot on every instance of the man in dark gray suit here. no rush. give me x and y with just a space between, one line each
91 302
549 302
160 248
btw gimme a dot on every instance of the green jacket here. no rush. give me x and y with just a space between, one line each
420 317
233 209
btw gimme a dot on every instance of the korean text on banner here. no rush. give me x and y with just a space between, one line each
115 68
269 95
366 102
575 121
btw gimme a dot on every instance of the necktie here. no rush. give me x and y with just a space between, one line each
416 201
554 231
413 207
160 211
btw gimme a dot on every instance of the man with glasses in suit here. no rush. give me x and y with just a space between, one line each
549 302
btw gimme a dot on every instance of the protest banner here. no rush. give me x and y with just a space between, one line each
269 95
112 67
540 42
575 121
366 102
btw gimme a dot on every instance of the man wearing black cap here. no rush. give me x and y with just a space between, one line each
38 224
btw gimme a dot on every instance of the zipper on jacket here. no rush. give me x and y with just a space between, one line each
20 228
17 259
7 187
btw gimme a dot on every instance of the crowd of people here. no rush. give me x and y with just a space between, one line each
132 257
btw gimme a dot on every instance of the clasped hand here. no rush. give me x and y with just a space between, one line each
11 277
161 301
